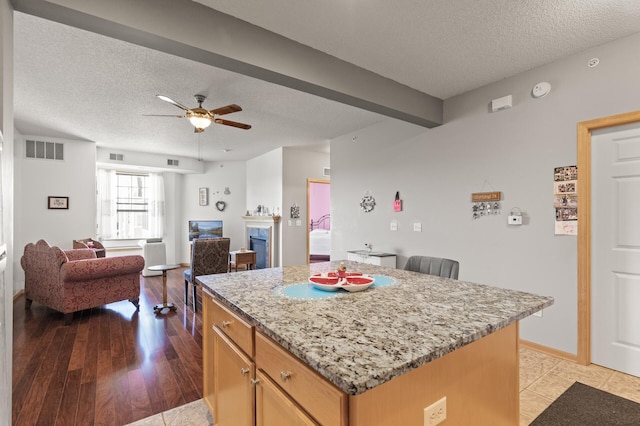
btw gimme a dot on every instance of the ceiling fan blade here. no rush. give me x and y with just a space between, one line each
232 123
226 109
163 115
171 101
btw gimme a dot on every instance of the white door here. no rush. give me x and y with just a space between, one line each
615 245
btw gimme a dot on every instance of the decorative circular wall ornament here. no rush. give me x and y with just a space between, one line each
541 90
367 203
220 205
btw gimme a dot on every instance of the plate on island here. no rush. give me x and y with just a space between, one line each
353 282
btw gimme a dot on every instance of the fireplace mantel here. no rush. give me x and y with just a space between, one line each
266 219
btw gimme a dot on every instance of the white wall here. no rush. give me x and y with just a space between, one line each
73 177
264 180
6 169
512 151
217 176
264 187
298 166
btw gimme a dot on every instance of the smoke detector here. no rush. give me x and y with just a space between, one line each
541 90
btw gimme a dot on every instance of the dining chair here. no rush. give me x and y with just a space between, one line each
433 266
208 256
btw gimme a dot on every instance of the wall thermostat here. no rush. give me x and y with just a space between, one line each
515 220
515 217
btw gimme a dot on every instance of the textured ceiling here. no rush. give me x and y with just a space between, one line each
443 47
74 84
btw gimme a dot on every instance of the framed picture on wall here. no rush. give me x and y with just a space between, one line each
58 203
204 196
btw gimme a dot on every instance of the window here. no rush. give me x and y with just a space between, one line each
130 205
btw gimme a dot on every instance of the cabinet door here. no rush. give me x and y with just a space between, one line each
207 352
273 407
234 392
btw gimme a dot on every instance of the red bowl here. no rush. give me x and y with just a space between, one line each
324 280
359 280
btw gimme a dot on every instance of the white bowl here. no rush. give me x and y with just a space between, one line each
357 283
325 283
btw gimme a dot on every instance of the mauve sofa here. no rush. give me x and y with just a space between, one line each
73 280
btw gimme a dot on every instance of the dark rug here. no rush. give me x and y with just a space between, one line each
582 405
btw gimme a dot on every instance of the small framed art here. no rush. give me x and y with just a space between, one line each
58 203
204 196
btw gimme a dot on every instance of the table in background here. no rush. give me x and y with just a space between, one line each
240 257
164 307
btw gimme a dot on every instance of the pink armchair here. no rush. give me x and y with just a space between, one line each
73 280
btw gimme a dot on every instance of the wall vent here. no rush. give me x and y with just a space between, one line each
171 162
116 157
44 150
326 171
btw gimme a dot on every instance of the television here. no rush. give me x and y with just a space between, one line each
205 229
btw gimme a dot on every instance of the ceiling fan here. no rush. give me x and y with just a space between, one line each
202 118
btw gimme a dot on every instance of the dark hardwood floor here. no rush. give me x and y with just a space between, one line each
111 365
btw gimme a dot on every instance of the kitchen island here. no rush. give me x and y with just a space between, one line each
274 346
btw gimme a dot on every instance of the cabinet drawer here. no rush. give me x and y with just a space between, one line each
274 407
238 330
326 403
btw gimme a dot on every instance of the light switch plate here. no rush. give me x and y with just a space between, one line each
417 227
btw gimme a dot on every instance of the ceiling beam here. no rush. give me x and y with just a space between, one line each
191 30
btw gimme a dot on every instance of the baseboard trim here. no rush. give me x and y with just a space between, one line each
18 294
548 350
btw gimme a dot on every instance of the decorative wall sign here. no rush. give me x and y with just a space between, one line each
397 203
485 203
295 211
220 205
565 200
367 203
478 197
204 196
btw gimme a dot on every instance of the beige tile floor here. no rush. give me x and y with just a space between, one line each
543 378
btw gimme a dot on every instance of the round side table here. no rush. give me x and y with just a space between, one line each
164 307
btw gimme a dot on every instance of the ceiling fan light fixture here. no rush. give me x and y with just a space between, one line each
200 121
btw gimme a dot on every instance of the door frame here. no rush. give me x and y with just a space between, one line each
584 224
309 182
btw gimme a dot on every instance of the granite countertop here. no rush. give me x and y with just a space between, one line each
361 340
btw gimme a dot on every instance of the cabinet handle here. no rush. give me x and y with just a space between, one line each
254 381
285 375
226 324
244 371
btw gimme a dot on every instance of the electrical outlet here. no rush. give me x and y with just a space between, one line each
393 226
436 413
538 314
417 227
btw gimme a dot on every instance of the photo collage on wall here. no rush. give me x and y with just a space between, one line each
565 199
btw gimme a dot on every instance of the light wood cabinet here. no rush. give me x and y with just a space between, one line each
274 407
234 383
321 399
207 352
271 387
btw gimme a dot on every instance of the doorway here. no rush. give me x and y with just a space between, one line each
318 220
585 130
